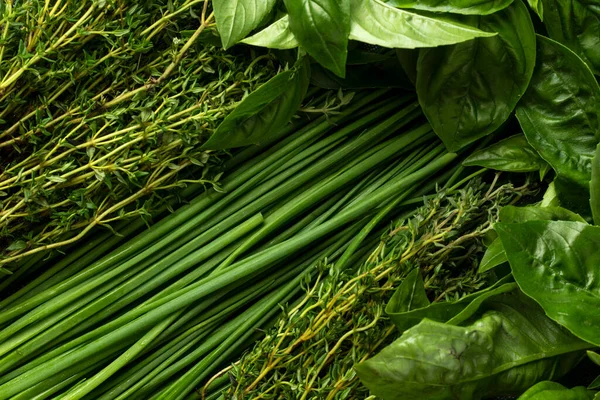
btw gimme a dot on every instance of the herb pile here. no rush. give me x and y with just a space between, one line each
350 113
104 107
164 310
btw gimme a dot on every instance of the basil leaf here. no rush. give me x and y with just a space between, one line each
595 187
264 112
493 256
507 347
595 357
576 24
476 7
550 198
237 18
377 23
322 28
513 154
555 391
595 385
515 215
469 89
538 7
410 295
275 36
556 264
560 112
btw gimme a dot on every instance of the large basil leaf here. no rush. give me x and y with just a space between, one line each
377 23
595 187
275 36
560 112
237 18
469 89
495 254
264 112
555 391
506 349
513 154
576 24
556 263
476 7
322 28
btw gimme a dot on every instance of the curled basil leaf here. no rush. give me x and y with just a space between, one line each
264 112
513 154
469 89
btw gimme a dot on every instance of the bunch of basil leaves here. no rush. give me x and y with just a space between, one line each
474 65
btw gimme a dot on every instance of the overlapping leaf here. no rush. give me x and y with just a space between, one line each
469 89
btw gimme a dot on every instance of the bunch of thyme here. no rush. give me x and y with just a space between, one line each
310 352
103 107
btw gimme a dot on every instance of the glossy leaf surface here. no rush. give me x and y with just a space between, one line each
469 89
322 28
560 112
237 18
506 349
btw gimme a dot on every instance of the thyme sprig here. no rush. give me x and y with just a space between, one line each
103 107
